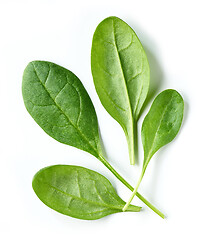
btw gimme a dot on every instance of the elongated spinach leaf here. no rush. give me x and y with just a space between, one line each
77 192
162 123
58 102
160 127
121 74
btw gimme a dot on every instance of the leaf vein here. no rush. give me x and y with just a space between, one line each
60 91
123 74
99 195
129 80
47 78
112 99
77 180
131 42
83 199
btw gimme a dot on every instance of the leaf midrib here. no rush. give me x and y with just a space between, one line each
83 199
123 74
81 134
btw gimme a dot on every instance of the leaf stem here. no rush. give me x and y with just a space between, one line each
131 145
104 161
131 152
133 193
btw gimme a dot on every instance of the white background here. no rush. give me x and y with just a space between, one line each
176 38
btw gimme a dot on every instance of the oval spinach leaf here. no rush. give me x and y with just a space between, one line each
77 192
162 123
59 103
121 74
160 127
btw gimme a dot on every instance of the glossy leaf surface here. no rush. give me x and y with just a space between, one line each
121 73
77 192
162 123
59 103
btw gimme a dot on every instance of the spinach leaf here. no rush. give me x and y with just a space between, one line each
77 192
58 102
160 127
162 123
121 74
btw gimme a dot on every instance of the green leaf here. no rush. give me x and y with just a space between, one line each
159 127
77 192
162 123
121 74
59 103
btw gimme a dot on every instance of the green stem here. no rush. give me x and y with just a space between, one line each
131 151
131 144
133 193
103 160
